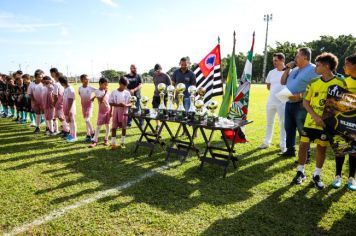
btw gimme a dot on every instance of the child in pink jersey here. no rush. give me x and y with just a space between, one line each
102 95
85 93
47 101
35 93
69 108
119 101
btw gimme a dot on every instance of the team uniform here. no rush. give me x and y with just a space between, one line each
119 114
11 98
36 91
70 112
87 108
316 94
3 98
58 91
351 84
48 108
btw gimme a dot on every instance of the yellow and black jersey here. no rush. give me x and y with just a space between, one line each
316 93
351 84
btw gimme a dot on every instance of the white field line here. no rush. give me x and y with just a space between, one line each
102 194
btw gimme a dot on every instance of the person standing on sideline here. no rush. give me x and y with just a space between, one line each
274 105
134 87
159 77
297 76
185 76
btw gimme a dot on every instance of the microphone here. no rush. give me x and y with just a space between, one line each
292 67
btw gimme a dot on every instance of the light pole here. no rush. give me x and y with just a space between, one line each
267 18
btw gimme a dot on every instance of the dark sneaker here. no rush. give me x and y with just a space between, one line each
317 182
37 130
299 178
287 154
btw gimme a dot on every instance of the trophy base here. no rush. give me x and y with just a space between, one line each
133 111
191 115
162 113
171 113
181 115
212 120
145 112
198 119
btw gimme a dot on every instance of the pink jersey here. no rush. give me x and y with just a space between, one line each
58 90
85 97
69 94
104 106
119 116
36 91
47 96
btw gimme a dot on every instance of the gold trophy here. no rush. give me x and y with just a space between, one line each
161 108
191 112
199 114
170 106
133 109
212 117
144 101
180 110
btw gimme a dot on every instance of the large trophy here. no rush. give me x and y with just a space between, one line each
180 110
212 117
161 108
191 112
170 106
145 111
133 109
199 104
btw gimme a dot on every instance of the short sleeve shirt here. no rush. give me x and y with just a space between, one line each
188 78
134 82
298 79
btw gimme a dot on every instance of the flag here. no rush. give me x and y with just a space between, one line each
230 88
240 106
208 74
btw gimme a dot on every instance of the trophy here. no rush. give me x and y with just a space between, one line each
170 106
199 114
180 110
144 101
191 112
212 117
161 108
133 109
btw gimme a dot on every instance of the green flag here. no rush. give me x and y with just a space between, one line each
231 87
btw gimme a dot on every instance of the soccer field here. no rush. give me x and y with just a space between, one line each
51 187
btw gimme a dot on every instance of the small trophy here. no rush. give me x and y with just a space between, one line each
144 101
170 107
191 112
161 108
212 117
133 109
199 114
181 113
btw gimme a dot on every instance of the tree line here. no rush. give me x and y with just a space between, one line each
342 46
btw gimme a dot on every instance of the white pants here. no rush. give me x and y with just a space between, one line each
272 109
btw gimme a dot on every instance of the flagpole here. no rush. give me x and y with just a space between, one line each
221 66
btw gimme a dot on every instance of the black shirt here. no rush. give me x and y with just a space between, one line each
134 82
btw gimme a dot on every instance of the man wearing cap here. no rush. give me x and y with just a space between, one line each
159 77
134 87
185 76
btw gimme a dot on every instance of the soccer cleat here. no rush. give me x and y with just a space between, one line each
299 178
93 145
337 182
317 182
114 147
287 154
263 146
71 139
52 133
87 139
33 124
351 184
68 137
122 146
37 130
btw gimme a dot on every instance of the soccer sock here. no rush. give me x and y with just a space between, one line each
38 120
96 136
317 171
107 131
88 126
339 163
1 108
301 168
6 110
50 125
55 125
32 116
42 118
73 129
113 140
65 126
352 165
123 139
12 111
25 116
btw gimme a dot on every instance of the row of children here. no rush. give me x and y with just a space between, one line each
51 99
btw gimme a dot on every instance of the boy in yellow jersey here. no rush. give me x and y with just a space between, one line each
314 103
350 71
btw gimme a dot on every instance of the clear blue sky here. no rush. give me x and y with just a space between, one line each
91 35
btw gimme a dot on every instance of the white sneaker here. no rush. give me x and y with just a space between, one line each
283 149
263 146
33 124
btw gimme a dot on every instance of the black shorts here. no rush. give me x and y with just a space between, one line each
156 100
10 102
316 136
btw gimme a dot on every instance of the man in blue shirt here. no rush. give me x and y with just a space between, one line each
296 76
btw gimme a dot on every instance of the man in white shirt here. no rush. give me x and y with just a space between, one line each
274 105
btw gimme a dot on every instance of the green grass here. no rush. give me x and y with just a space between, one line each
40 174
